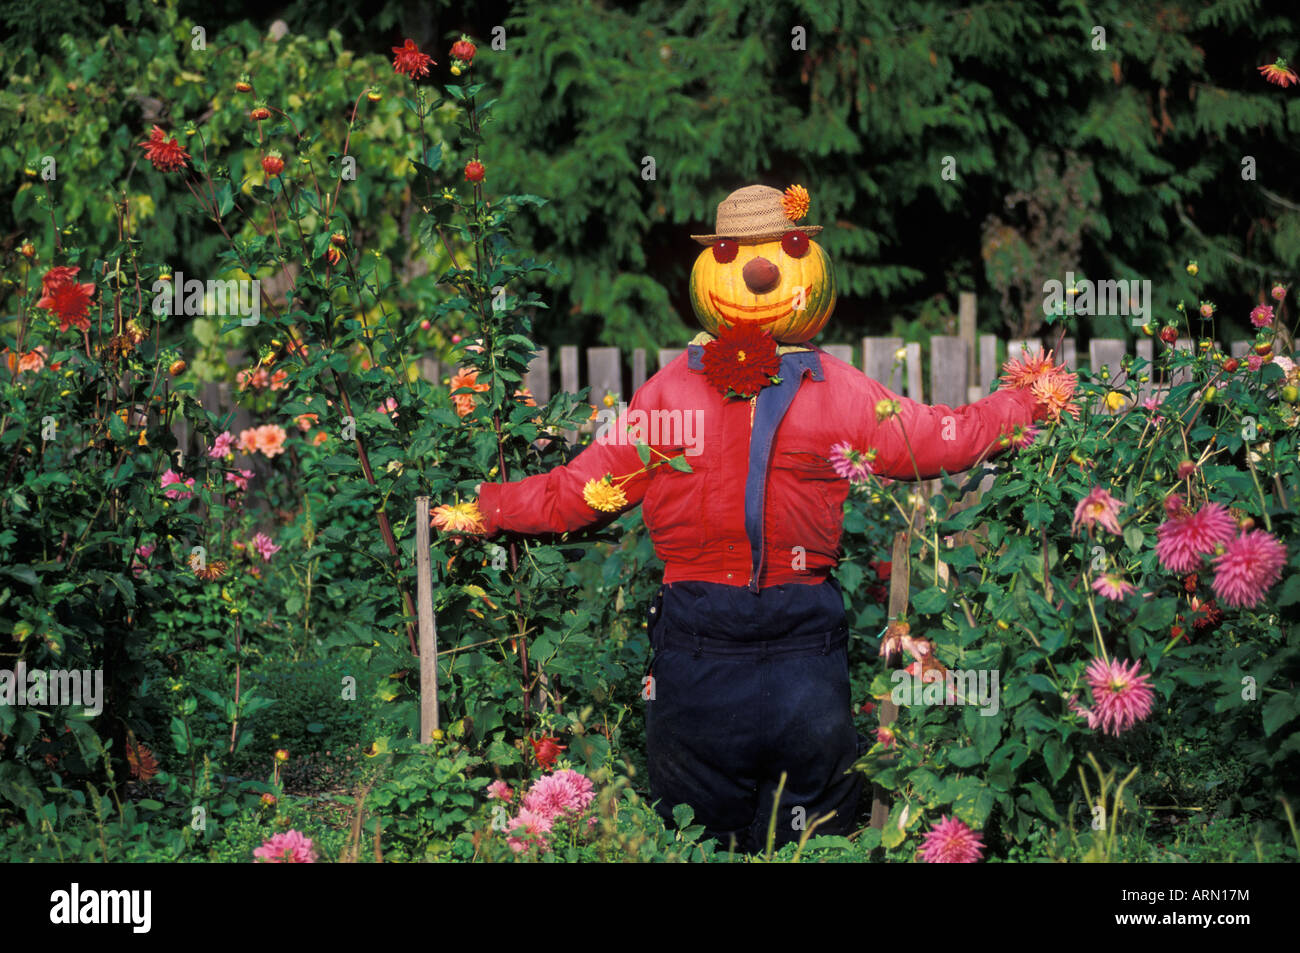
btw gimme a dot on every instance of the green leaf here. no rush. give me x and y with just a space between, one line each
117 429
1279 710
1043 801
1157 615
683 814
679 463
1134 537
1289 594
966 757
1041 683
930 601
643 451
1056 758
973 803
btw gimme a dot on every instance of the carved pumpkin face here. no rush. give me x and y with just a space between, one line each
785 286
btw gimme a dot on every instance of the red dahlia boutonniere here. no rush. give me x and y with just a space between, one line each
741 361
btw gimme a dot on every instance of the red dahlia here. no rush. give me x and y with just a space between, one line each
165 154
741 361
547 750
409 60
63 297
272 163
464 51
1169 334
474 171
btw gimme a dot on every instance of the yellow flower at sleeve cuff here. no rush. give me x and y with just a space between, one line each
603 495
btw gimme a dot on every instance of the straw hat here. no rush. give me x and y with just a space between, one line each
760 213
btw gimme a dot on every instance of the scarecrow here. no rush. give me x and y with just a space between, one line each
753 437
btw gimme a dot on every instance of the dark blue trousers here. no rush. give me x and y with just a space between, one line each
747 686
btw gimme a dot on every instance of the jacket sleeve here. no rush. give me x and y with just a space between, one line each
553 502
942 438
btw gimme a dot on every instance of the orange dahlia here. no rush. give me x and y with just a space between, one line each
795 202
143 764
1278 73
458 518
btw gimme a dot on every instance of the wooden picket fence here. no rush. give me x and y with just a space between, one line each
963 367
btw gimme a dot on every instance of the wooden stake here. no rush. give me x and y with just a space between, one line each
899 576
428 623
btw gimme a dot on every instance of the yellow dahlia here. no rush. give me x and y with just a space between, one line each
603 495
795 202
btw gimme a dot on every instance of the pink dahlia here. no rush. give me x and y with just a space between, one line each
1098 507
1022 435
1262 316
1113 586
885 735
1249 566
291 847
1255 361
952 842
265 547
1121 697
563 793
853 465
537 826
170 478
222 445
140 561
239 478
1153 404
1184 538
500 790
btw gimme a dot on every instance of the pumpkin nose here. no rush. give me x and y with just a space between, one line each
760 275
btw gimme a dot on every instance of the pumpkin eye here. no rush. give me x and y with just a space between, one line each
794 244
725 251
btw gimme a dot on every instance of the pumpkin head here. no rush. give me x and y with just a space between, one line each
761 269
791 296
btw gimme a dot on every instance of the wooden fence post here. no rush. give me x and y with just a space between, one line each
428 623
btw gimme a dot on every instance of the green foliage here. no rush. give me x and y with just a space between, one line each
1020 602
867 116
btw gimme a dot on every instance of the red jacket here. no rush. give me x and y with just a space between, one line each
697 520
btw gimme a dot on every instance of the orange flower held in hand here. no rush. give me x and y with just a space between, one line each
458 518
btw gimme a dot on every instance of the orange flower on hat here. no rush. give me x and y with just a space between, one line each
795 202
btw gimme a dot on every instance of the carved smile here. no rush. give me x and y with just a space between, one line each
750 314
